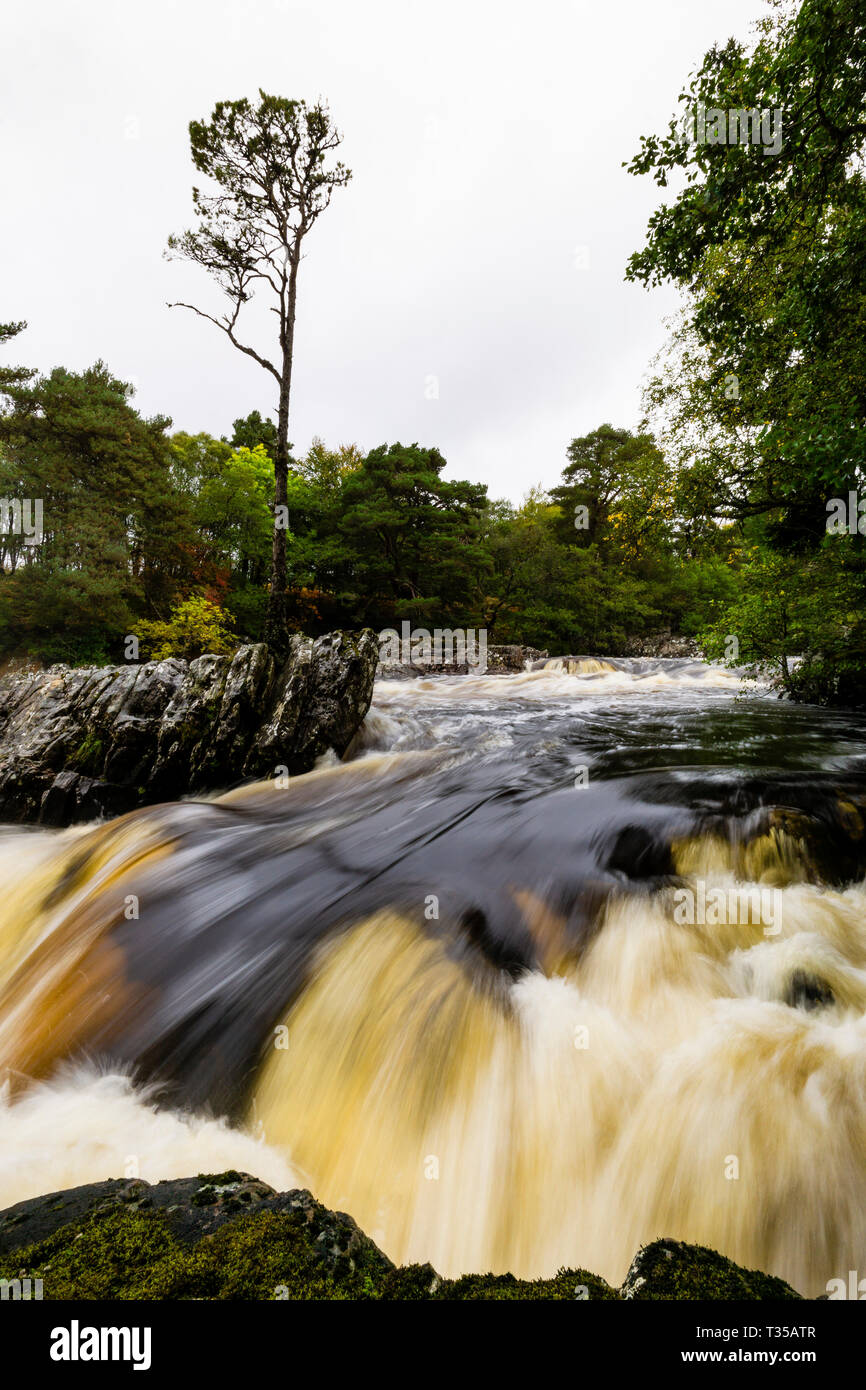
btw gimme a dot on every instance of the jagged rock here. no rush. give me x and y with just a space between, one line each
661 644
79 743
512 658
222 1235
411 670
193 1208
499 658
670 1269
230 1236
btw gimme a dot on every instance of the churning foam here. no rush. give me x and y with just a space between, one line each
657 1085
561 677
84 1126
664 1079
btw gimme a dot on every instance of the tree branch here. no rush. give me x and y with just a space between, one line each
228 329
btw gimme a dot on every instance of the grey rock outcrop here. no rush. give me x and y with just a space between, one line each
512 658
78 743
661 644
499 658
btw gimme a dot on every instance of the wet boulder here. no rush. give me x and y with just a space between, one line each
672 1270
76 744
230 1236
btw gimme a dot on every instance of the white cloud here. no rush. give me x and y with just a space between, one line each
486 139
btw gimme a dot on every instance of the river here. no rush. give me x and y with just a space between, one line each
553 964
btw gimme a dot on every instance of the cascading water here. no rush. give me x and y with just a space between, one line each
558 963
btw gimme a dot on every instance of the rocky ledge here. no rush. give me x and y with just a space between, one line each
661 644
498 659
79 743
229 1236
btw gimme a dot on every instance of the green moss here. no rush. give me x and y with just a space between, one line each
103 1257
305 1253
669 1269
87 754
132 1254
571 1284
410 1282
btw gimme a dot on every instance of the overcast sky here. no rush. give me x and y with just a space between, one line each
481 242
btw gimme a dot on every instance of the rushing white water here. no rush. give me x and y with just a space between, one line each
85 1125
660 1085
562 678
552 1066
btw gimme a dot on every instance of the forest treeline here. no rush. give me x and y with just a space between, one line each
168 536
735 512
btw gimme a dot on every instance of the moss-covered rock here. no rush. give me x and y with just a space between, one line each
218 1236
229 1236
670 1269
568 1284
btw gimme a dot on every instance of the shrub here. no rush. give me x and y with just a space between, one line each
195 626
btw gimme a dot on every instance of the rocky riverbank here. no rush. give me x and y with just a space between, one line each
516 657
506 658
79 743
230 1236
661 644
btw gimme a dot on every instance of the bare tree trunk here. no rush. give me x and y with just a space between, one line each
276 622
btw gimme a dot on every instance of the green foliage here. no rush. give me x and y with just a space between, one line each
195 459
196 626
86 757
803 606
83 649
113 530
12 376
372 539
232 512
170 537
621 482
763 393
628 571
327 469
408 542
252 430
228 494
